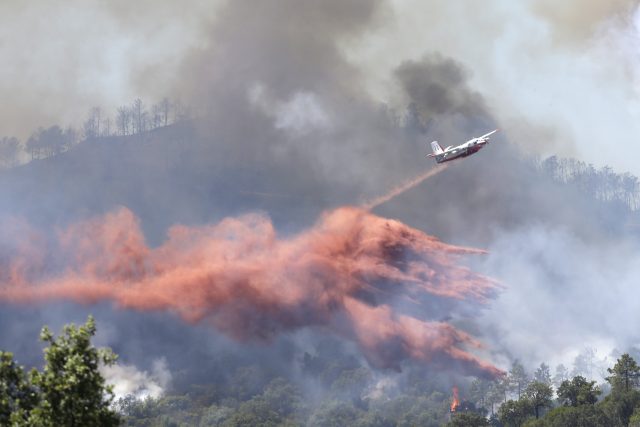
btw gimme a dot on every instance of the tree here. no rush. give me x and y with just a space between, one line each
634 421
624 375
468 419
165 108
494 421
123 120
139 115
70 137
514 413
70 389
156 116
584 363
334 413
282 397
106 127
620 405
539 394
52 140
496 394
34 145
517 378
479 392
580 416
17 396
253 413
91 126
543 374
631 187
9 150
562 374
578 392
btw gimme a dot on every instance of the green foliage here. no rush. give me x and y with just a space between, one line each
215 415
539 396
351 381
283 398
279 404
514 413
570 416
543 374
17 396
619 406
562 374
411 410
73 392
69 391
624 374
578 392
468 419
497 393
344 393
634 421
255 412
168 410
479 392
334 414
517 378
494 421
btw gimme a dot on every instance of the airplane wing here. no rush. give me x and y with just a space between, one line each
488 134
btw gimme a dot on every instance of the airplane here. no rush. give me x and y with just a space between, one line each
470 147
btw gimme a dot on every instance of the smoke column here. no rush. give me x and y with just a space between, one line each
407 185
341 275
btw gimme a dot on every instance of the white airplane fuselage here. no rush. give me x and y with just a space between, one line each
463 150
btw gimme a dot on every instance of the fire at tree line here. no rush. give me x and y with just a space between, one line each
70 390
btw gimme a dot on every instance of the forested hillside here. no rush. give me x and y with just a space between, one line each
180 172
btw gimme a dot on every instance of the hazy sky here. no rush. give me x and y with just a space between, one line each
562 78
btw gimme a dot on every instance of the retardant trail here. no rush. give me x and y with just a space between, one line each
407 185
345 274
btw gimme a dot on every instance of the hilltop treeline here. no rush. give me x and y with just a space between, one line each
603 184
134 119
137 119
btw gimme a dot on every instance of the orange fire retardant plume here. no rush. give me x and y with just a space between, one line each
240 277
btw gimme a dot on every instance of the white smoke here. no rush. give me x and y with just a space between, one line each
299 115
127 380
562 295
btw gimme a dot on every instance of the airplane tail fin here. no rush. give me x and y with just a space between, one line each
436 148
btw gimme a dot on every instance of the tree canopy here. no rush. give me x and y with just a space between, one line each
625 374
578 392
68 391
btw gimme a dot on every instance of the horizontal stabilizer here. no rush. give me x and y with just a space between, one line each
489 134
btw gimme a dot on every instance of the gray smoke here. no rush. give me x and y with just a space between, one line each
299 107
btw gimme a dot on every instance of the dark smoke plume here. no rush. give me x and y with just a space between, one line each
240 277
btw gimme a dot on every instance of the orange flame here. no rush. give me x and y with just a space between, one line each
456 401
